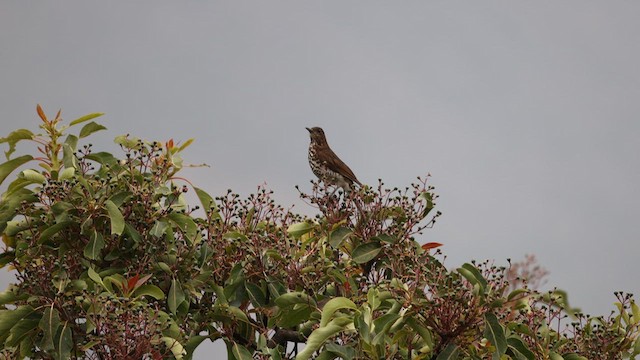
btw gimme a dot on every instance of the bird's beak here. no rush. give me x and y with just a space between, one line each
309 130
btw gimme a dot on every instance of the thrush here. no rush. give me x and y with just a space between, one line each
326 165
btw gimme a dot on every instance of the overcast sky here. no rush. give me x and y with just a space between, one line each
525 113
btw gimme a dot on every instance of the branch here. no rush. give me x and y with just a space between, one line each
283 336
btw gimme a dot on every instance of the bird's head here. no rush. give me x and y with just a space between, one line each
317 135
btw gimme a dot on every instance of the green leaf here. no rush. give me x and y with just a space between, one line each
293 298
117 220
16 187
77 285
636 346
110 280
207 202
22 329
235 235
16 226
361 322
428 197
11 295
49 324
174 346
85 118
90 128
176 296
72 141
385 238
171 328
186 144
126 141
256 295
103 158
192 344
326 355
238 315
8 318
298 229
338 276
240 352
164 267
61 211
320 335
635 311
132 233
275 354
559 298
66 174
14 137
159 228
8 167
574 357
495 334
337 236
68 152
9 208
366 252
47 233
476 273
555 356
334 305
26 347
6 257
382 332
382 324
473 275
86 186
294 315
32 176
451 352
423 331
149 290
275 287
342 351
95 246
234 286
186 225
518 347
375 297
93 275
517 293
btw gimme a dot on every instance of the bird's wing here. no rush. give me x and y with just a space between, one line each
336 165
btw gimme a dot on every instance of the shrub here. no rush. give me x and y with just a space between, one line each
112 262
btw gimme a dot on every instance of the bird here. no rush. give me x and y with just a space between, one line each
326 165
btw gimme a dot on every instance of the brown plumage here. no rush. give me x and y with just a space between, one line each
326 165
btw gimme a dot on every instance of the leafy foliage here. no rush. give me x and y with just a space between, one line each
112 262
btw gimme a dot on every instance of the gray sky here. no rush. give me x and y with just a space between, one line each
525 113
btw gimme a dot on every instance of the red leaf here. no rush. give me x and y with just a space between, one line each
431 245
41 113
347 286
142 281
156 355
132 282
